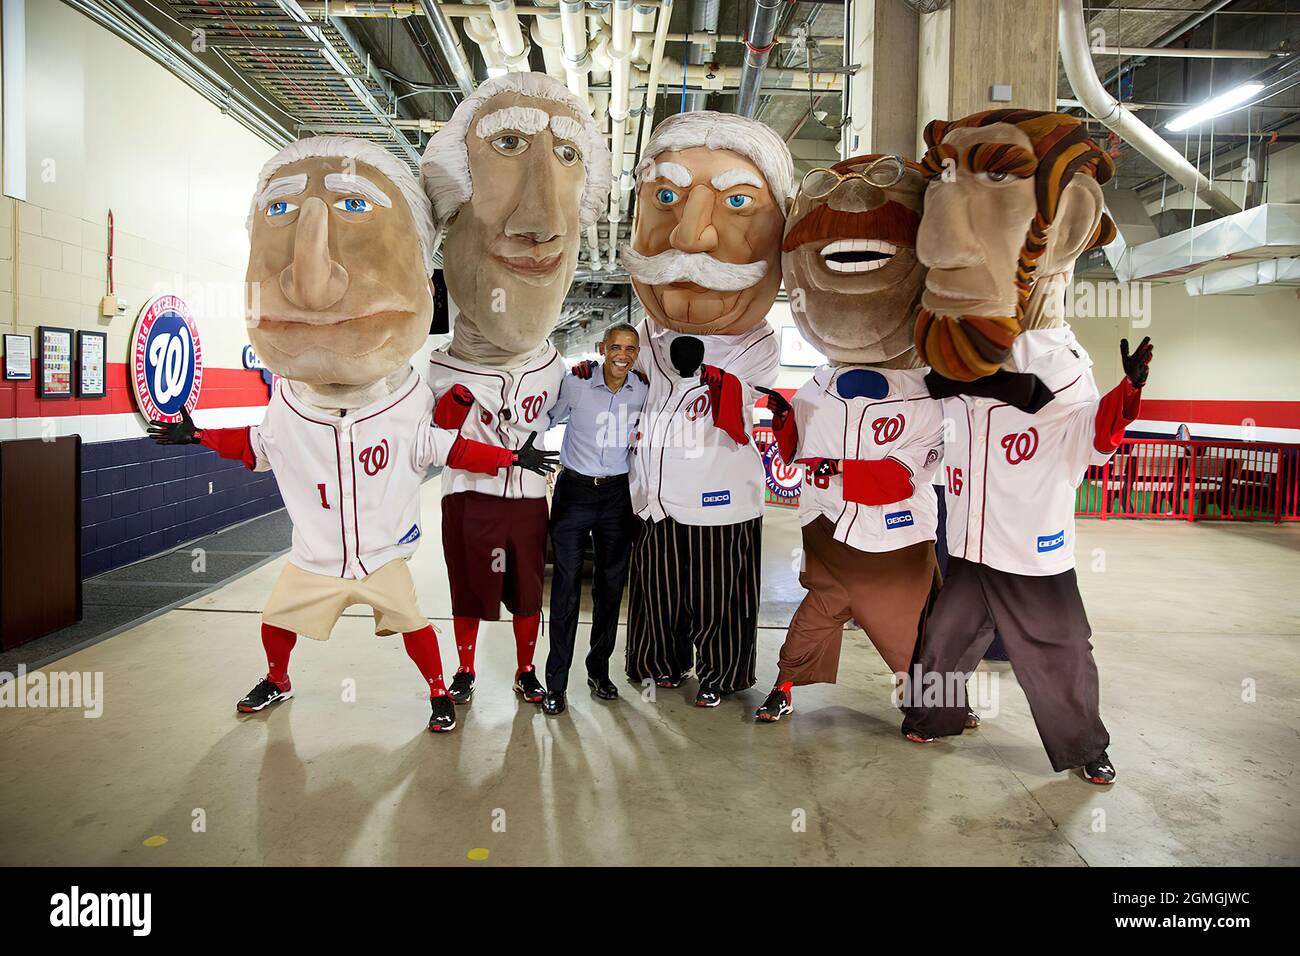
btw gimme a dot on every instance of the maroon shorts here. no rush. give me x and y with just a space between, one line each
496 552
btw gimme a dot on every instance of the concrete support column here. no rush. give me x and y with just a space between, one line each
973 50
880 37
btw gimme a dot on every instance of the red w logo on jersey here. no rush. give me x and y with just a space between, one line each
532 406
1020 446
697 408
375 458
887 430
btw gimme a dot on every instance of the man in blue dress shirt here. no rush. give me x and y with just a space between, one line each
592 500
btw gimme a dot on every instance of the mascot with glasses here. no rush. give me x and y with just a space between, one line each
865 427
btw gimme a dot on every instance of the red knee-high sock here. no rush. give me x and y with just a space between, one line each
466 631
279 644
525 640
422 647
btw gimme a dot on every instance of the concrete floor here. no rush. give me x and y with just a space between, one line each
1183 615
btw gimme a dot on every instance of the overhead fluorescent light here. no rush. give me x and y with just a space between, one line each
495 71
1213 107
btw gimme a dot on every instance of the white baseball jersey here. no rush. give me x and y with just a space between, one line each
906 425
683 465
1011 476
509 405
351 483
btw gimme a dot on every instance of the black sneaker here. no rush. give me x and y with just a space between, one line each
775 707
918 738
266 693
972 720
529 687
708 697
1100 771
668 680
461 690
442 714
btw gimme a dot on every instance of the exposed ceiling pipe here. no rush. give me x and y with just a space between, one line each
1077 59
509 34
1195 20
483 33
577 62
620 52
704 20
1188 53
758 47
652 77
449 42
548 33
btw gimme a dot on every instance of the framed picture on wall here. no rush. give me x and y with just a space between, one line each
54 362
18 358
92 347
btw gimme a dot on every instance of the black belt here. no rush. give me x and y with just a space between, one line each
594 480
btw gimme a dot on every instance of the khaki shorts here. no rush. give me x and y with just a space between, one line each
311 604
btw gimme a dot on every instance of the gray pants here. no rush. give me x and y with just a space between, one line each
1046 632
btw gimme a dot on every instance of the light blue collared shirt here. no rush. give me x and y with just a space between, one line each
601 424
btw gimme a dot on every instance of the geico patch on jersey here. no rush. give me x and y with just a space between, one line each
412 535
1050 542
899 519
712 499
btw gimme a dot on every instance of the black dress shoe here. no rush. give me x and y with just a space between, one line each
553 703
604 687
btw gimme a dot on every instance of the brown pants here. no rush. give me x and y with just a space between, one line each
884 592
1046 631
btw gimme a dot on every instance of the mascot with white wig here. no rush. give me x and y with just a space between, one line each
705 261
515 177
338 301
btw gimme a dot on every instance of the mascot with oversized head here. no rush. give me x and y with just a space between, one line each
515 177
705 260
865 426
1014 199
338 301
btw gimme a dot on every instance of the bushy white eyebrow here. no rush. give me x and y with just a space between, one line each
279 188
736 176
352 183
523 119
675 173
566 127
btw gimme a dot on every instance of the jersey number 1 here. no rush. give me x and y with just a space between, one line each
324 502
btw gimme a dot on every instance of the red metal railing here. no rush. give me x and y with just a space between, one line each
1194 481
1181 480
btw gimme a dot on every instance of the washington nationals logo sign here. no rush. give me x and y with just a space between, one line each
166 359
887 430
375 458
782 480
1020 446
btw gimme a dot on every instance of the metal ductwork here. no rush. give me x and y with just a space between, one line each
704 19
758 47
449 43
1077 59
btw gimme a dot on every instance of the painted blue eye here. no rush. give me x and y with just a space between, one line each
666 196
354 204
279 208
739 201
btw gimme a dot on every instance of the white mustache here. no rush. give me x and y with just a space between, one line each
698 267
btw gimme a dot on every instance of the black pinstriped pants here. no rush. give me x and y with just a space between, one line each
693 601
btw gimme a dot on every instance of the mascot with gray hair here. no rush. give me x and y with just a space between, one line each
516 175
338 301
705 260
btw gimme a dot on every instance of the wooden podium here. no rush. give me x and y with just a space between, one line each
40 537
